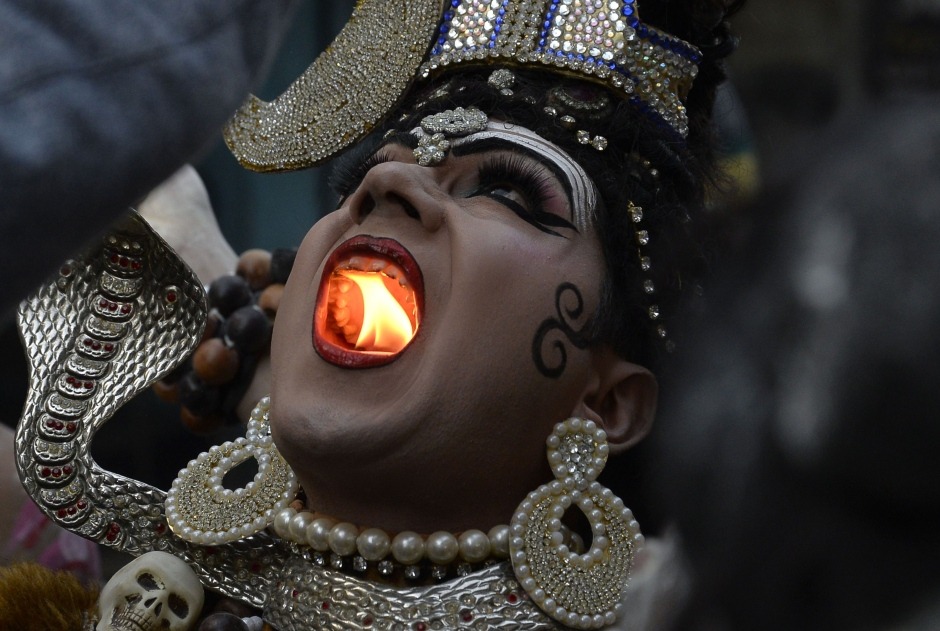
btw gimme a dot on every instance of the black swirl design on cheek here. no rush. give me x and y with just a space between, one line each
569 306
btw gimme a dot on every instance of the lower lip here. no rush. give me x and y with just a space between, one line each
368 246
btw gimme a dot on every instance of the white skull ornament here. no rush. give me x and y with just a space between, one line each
154 592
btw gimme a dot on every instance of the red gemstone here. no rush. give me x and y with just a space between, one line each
89 385
466 615
87 342
70 380
59 425
102 303
367 621
65 270
46 472
112 306
420 626
50 422
135 265
71 510
126 309
62 513
512 598
96 346
111 536
325 605
124 261
161 528
171 296
115 258
81 504
56 472
70 427
294 593
255 568
109 347
67 470
114 527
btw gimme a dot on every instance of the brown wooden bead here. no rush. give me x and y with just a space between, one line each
255 267
168 392
215 363
212 326
270 299
201 424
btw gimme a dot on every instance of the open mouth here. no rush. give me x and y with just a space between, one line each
369 304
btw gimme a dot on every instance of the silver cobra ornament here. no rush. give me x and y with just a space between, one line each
109 324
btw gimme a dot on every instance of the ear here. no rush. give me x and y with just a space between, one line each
620 397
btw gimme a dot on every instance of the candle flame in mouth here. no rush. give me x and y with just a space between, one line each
370 312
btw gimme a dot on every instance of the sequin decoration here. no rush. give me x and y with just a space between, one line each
433 144
387 45
579 590
345 92
601 40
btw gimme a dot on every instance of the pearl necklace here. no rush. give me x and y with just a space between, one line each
342 540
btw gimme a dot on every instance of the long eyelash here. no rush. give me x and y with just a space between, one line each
532 181
347 175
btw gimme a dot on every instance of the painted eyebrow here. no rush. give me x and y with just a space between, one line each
480 145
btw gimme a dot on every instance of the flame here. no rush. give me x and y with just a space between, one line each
377 320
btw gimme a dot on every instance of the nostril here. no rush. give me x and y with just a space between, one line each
366 207
407 206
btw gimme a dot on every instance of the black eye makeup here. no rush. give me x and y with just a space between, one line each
525 187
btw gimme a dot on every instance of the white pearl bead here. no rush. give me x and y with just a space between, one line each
442 547
297 527
408 547
499 541
343 539
373 544
282 521
318 533
474 546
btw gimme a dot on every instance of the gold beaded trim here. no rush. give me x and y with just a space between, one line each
351 87
343 95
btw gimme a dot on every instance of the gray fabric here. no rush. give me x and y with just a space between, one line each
101 101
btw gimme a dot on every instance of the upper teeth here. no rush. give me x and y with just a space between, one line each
368 264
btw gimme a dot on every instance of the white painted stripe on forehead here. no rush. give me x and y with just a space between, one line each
583 191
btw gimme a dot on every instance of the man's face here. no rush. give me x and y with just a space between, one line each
493 258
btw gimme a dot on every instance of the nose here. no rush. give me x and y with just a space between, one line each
394 189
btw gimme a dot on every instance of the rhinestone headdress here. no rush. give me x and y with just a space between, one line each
388 44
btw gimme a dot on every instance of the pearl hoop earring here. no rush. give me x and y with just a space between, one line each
583 591
201 510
